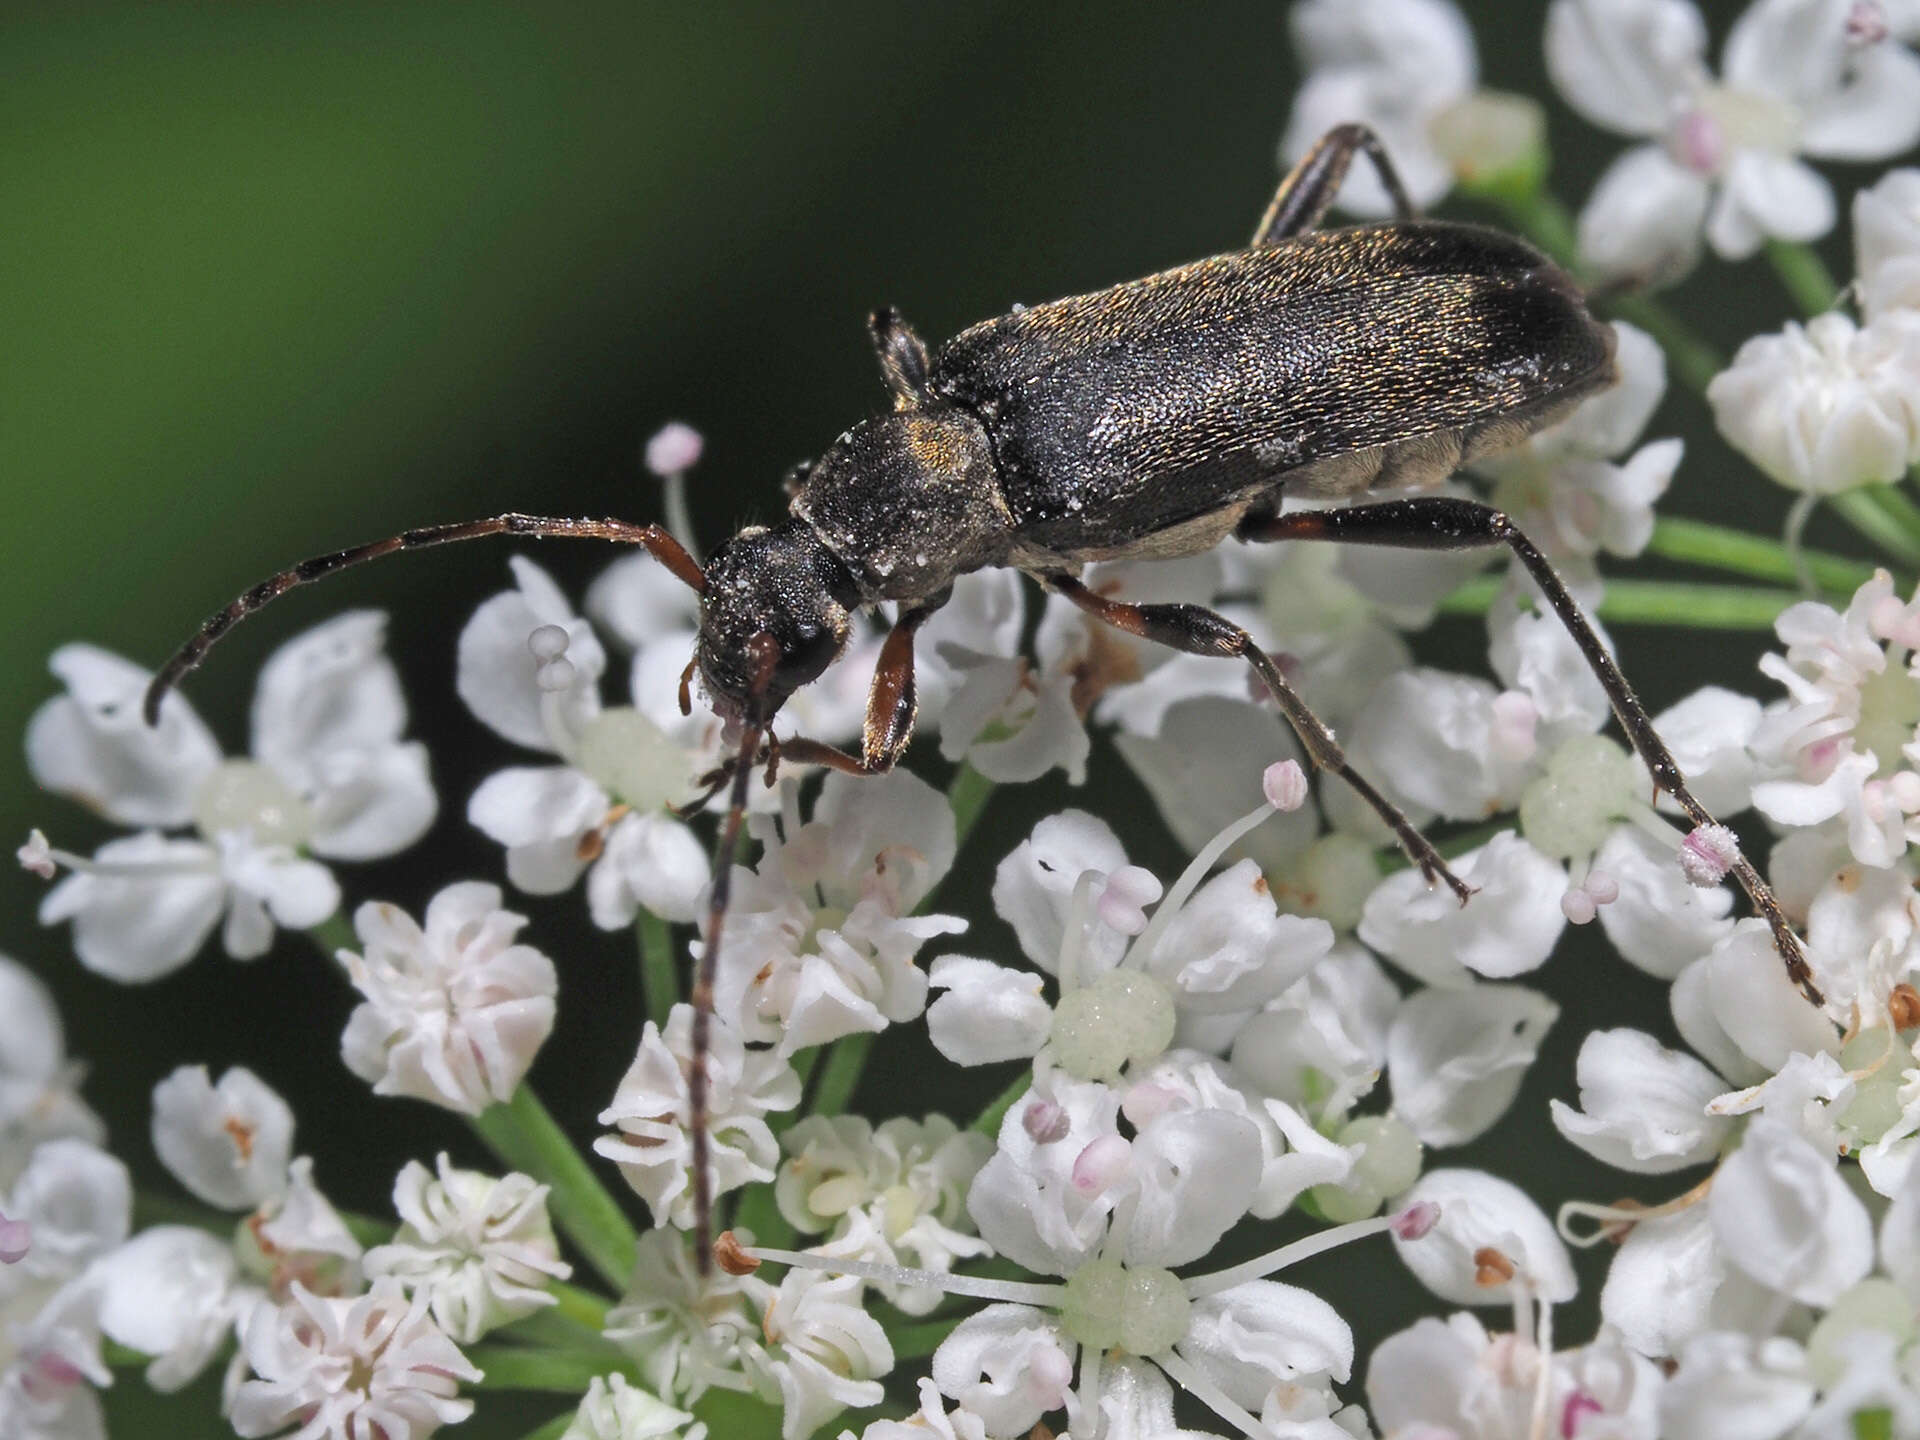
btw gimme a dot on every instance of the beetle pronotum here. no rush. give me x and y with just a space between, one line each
1153 419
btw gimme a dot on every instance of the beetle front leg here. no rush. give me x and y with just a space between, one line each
903 357
1200 631
1303 197
891 706
1441 522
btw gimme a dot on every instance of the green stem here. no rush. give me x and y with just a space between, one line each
987 1122
550 1329
554 1428
1804 275
846 1058
659 979
1884 516
333 934
916 1342
1655 602
523 1134
583 1307
566 1372
150 1209
968 795
1739 553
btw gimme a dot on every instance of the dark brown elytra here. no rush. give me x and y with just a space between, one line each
1153 419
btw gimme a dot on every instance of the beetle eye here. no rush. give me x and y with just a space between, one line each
808 652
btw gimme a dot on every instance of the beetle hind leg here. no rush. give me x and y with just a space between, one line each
1442 522
1310 187
1200 631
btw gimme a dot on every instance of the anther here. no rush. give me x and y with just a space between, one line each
731 1256
1903 1006
1416 1221
674 449
1284 784
1492 1267
1707 854
36 856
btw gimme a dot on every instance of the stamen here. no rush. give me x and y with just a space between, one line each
1612 1222
1197 1384
1492 1267
43 860
975 1287
673 451
1707 854
1074 943
36 856
1332 1238
1284 784
1087 1422
1903 1006
1189 881
1045 1122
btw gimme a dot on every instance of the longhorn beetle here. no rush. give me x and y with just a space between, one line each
1150 420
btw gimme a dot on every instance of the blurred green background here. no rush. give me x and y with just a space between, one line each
277 278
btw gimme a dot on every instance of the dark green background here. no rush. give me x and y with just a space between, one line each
276 278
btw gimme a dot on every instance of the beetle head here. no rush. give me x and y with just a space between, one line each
774 614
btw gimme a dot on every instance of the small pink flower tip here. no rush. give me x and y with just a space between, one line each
674 449
1102 1163
1867 23
1602 887
1045 1122
16 1238
1284 784
1416 1220
1577 905
1121 898
1579 1405
36 856
1707 854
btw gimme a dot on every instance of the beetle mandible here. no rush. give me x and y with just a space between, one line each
1153 419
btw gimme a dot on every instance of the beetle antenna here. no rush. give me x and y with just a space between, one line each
764 653
667 550
724 851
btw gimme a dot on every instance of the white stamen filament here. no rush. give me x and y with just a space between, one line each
1195 1382
1074 943
1020 1292
1087 1422
115 869
1190 879
1543 1381
1201 1286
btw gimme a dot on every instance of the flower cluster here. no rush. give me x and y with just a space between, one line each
1140 1093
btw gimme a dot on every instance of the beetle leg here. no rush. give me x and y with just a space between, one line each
1441 522
1200 631
891 705
1303 197
903 357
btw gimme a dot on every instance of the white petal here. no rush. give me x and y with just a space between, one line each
1433 737
1659 921
640 600
1759 1008
1004 1364
1730 1386
1203 769
1900 1236
989 1013
1621 65
368 804
1886 242
1229 949
1660 1287
1195 1185
94 744
1508 928
165 1293
1261 1334
330 688
651 862
496 670
1420 1380
1643 218
1033 886
1877 114
527 805
139 926
229 1144
1764 195
1455 1058
1479 1211
1644 1106
897 816
1782 1213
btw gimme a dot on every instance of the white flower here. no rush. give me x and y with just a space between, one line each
1730 1384
1574 487
172 1292
824 1352
1794 82
1396 65
1479 1213
77 1200
650 1115
899 1188
687 1332
330 775
615 1410
53 1363
299 1238
480 1248
1325 1038
605 807
1456 1056
1449 745
821 937
1781 1213
932 1421
1826 406
1658 920
347 1369
1508 928
455 1010
1645 1107
39 1086
228 1143
1886 243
